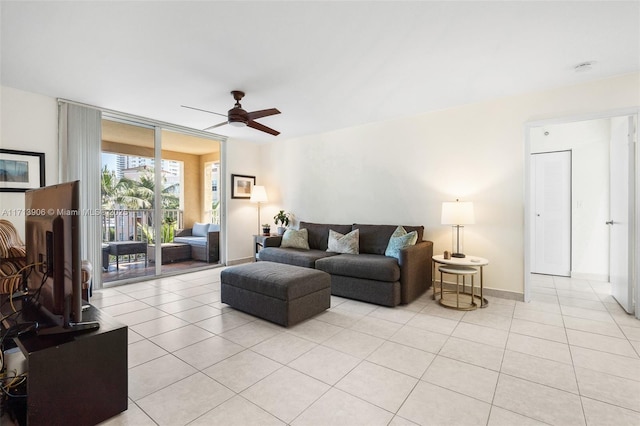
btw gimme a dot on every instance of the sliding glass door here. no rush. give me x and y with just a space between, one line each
160 200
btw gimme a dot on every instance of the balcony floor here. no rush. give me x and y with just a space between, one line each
136 269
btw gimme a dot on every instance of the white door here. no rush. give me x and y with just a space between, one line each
552 213
621 183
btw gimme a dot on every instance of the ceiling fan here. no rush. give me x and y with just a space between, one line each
238 117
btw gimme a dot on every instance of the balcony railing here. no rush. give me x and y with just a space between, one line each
212 216
128 224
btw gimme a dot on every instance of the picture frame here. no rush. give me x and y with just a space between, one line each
21 170
241 186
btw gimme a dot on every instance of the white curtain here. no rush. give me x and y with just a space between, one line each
79 138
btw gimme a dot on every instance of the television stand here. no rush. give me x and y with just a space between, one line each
74 377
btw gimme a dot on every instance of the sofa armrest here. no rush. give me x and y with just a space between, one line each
213 246
273 241
182 232
415 270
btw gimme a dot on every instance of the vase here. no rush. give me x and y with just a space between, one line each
281 230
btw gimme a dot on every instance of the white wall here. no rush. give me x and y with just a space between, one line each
589 144
242 158
401 171
28 122
391 172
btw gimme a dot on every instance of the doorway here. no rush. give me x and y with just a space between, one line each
592 239
154 192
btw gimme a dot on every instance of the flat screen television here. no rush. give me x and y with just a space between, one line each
52 234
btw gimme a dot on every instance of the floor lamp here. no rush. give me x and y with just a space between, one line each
258 195
457 214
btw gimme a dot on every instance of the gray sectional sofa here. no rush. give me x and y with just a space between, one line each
204 239
369 276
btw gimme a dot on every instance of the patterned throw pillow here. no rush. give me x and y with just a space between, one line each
294 238
400 239
349 243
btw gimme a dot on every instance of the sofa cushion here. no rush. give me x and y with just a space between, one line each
295 238
200 229
375 238
400 239
339 243
214 227
319 233
366 266
194 241
290 256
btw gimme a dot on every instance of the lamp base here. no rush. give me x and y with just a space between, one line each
457 255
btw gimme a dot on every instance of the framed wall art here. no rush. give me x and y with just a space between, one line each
241 186
21 170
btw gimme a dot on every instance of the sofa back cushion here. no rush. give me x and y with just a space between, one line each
200 229
319 233
375 238
214 227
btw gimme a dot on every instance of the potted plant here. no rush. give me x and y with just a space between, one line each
266 229
282 218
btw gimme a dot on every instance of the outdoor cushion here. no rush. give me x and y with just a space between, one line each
194 241
200 229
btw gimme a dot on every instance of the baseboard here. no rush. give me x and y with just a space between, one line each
590 277
240 261
486 291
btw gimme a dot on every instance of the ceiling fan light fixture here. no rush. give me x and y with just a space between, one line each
238 123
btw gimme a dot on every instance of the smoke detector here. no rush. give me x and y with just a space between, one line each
584 66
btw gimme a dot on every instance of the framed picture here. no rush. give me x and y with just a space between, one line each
241 186
21 170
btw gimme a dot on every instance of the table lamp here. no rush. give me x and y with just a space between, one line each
258 195
457 214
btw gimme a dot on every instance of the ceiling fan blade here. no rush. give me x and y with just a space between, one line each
261 127
214 126
263 113
203 110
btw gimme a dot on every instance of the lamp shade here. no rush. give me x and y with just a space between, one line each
457 213
258 194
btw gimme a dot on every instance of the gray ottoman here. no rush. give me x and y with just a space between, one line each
277 292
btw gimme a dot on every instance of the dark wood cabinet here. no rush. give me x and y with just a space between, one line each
77 378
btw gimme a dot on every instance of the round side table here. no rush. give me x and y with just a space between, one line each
475 262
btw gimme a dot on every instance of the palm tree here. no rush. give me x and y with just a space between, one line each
118 193
145 190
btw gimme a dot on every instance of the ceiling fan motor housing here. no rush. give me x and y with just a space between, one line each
238 117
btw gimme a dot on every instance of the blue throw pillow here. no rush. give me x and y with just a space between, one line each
400 239
200 229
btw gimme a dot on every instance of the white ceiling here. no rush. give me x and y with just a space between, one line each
325 65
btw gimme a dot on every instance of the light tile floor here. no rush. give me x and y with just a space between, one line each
571 356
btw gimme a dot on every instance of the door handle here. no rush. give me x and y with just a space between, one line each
609 222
